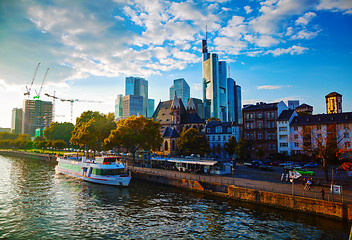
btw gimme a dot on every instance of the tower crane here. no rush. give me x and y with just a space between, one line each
40 90
54 97
77 100
28 93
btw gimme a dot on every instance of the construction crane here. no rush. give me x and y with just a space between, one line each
77 100
41 87
54 97
28 93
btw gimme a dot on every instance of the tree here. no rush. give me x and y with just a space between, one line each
191 141
40 143
58 144
259 152
231 145
242 149
213 119
59 131
135 133
321 143
92 128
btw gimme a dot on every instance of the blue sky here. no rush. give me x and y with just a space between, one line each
276 49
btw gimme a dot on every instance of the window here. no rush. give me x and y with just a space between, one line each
269 124
208 137
247 125
274 136
295 128
283 137
260 135
273 124
274 146
208 130
219 138
218 129
269 146
247 115
283 129
296 145
251 116
228 129
259 115
252 136
213 138
268 114
252 125
260 124
272 114
269 135
224 138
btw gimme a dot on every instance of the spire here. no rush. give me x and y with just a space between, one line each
175 102
191 106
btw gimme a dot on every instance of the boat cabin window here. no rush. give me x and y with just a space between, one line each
106 160
107 172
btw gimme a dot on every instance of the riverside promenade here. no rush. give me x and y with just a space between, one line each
276 194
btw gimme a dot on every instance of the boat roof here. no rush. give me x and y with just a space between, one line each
189 161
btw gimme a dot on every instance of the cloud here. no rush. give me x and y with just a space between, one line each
305 34
306 18
291 50
334 5
248 9
268 87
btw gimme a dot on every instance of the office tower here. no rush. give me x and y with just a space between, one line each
132 106
150 108
292 104
16 123
333 103
182 90
119 106
221 95
138 87
234 102
36 114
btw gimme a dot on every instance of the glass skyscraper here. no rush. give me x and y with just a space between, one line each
221 95
150 107
119 106
182 90
138 87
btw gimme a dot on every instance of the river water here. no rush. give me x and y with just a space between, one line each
36 203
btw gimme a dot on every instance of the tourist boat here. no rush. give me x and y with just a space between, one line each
104 170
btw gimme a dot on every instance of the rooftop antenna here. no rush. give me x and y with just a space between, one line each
206 32
228 72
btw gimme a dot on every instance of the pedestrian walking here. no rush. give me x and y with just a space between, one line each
322 193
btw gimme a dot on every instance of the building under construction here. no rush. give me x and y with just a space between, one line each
36 114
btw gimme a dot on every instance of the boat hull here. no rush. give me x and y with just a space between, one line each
122 181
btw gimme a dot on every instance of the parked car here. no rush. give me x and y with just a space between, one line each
253 164
276 163
267 161
311 165
265 167
304 172
287 163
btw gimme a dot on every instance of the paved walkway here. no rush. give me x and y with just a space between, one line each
261 185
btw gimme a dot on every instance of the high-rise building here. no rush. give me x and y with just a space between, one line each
333 103
150 108
138 87
132 106
16 123
219 100
36 114
119 106
182 90
292 104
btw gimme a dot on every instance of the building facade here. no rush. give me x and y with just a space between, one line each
259 126
182 90
218 133
292 104
138 87
221 95
151 107
16 121
283 122
304 109
132 106
308 131
119 106
333 103
36 114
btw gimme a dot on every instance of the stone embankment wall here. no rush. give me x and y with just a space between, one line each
308 205
39 156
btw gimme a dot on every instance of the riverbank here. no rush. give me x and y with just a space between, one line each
32 155
226 187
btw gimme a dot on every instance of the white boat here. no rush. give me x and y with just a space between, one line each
104 170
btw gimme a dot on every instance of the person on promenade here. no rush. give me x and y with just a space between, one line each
322 193
308 185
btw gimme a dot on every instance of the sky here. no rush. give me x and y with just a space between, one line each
276 49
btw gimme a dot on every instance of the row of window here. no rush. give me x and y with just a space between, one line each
260 125
219 129
260 115
213 138
260 136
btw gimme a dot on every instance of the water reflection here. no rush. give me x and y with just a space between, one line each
37 203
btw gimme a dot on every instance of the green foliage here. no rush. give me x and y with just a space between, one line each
40 143
59 131
242 149
231 145
57 144
191 141
135 133
92 128
9 136
15 141
259 152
